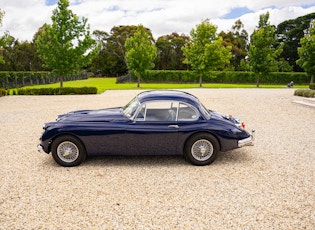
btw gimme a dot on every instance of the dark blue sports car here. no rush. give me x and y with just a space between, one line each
153 123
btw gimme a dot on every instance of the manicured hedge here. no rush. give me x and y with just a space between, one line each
19 79
237 77
57 91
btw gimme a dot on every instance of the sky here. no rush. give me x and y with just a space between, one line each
23 18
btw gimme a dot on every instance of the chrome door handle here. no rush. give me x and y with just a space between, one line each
173 126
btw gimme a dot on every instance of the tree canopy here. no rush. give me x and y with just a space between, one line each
307 52
66 45
63 47
20 56
140 52
205 52
111 59
290 33
169 52
262 54
4 39
238 40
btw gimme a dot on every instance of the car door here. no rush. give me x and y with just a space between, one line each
154 131
190 121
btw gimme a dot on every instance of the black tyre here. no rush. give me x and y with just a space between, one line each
68 151
201 149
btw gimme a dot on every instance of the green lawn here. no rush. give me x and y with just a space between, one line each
103 84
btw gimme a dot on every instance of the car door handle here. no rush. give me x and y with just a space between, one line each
173 126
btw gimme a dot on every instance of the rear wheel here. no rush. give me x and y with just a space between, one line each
68 151
201 149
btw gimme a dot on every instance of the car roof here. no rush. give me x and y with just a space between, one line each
171 95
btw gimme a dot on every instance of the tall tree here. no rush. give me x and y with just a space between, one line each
262 53
66 45
205 52
20 56
4 39
307 52
140 52
290 33
2 43
238 39
9 56
97 63
169 52
111 58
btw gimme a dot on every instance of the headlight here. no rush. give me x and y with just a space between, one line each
59 117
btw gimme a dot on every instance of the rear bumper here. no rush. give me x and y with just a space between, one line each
249 141
40 148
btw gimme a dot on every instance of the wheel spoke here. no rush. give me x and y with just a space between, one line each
202 150
67 151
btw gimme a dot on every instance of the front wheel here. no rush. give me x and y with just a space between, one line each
201 149
68 151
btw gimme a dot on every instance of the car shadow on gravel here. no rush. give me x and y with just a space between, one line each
135 161
237 156
132 161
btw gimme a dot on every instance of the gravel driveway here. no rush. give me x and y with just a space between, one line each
268 186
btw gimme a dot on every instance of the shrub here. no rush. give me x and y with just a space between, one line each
308 93
57 91
298 92
304 93
312 86
4 92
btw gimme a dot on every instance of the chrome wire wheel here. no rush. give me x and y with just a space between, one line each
202 150
68 151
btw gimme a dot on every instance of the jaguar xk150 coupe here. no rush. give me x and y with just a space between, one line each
161 122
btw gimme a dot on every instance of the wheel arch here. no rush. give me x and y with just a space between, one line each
65 134
200 133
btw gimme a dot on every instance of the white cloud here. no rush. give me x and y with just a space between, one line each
24 17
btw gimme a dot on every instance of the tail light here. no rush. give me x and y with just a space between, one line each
237 122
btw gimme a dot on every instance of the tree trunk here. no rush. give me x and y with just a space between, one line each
257 81
200 81
312 79
138 80
61 81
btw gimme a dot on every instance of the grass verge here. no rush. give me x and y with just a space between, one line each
103 84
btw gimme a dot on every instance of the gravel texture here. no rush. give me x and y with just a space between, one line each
268 186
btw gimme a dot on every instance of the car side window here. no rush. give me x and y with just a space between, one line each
158 111
187 113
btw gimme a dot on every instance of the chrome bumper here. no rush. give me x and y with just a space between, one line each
40 148
249 141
